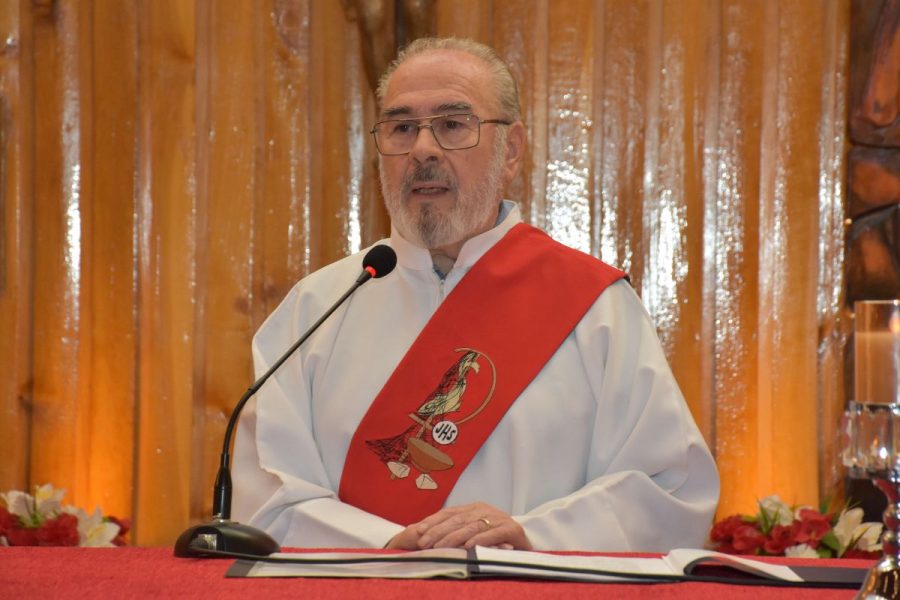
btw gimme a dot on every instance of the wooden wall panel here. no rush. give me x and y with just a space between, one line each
61 292
734 245
167 268
374 223
676 225
227 157
832 318
788 251
467 18
192 160
622 142
360 167
706 370
331 40
110 121
666 212
567 209
520 29
15 244
281 232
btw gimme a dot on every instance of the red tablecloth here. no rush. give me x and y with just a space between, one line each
155 572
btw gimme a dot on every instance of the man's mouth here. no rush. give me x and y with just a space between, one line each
429 189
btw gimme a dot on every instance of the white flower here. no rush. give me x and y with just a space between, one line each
847 523
48 500
852 533
45 504
19 504
775 511
93 531
866 536
801 551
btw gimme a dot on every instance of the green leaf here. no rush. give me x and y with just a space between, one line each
831 541
765 522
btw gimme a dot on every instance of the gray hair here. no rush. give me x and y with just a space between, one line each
507 91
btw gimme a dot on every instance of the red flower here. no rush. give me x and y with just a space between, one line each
124 528
811 527
723 531
22 536
49 524
8 521
61 531
747 539
765 533
781 537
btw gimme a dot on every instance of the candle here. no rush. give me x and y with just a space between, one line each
877 371
878 367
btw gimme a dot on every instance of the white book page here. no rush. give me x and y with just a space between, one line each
681 558
622 566
517 563
385 570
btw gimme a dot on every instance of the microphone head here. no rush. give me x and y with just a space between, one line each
380 260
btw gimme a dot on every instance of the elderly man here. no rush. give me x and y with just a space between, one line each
497 388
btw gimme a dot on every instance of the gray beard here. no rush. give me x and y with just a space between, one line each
431 228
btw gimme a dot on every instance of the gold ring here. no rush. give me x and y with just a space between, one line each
487 523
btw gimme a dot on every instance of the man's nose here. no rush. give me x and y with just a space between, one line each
426 146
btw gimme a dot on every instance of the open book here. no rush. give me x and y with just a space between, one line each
677 565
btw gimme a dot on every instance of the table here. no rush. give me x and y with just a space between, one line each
131 572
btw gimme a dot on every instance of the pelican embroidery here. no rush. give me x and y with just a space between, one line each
433 425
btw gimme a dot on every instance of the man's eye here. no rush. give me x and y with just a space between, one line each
402 128
452 124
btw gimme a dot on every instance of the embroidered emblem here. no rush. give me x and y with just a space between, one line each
445 432
434 424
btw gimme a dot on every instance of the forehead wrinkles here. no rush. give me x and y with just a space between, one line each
441 78
437 110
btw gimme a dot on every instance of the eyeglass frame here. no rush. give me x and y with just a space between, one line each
428 125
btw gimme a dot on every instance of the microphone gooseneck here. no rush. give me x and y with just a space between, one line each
221 534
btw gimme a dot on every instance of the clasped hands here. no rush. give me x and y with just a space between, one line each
463 527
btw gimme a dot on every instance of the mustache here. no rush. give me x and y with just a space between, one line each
428 173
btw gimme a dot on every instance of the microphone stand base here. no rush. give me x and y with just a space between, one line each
224 536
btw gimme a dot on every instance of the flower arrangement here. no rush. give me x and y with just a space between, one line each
781 530
43 520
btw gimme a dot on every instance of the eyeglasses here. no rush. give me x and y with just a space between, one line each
452 132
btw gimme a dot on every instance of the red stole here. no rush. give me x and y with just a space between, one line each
486 342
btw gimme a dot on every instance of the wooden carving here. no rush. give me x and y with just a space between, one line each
386 26
873 181
873 208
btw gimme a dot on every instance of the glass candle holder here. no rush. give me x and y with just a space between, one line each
877 351
871 430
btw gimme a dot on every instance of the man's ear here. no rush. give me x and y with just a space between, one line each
515 148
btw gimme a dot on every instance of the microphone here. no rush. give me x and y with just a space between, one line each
221 534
